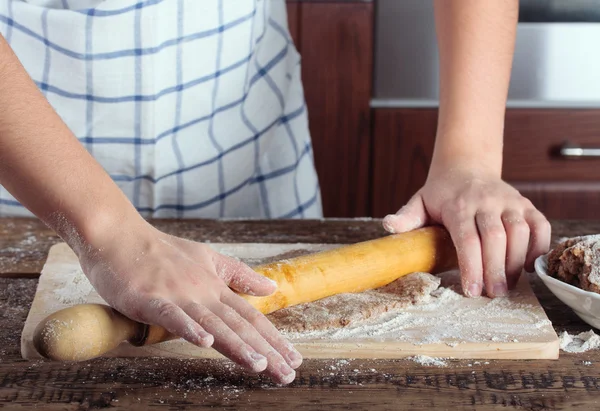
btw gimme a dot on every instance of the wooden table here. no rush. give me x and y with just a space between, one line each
571 381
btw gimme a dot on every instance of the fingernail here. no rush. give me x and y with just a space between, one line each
294 357
287 374
256 357
258 362
474 290
500 290
272 282
204 337
287 379
387 224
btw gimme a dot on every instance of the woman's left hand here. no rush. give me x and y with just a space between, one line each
496 231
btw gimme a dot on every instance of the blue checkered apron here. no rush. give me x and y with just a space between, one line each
194 107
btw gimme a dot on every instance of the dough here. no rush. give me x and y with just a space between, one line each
577 261
343 309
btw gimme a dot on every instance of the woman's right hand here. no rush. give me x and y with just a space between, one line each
184 286
147 275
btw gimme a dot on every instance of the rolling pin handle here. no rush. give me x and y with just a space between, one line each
141 335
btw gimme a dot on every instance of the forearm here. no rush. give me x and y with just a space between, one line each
46 168
476 44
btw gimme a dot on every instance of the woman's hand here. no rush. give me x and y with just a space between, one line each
496 231
145 274
183 286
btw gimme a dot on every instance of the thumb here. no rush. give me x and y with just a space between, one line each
410 217
242 278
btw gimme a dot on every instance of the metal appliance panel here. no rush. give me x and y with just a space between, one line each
556 64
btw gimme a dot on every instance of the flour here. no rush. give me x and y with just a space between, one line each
12 257
426 360
75 290
579 343
30 239
447 318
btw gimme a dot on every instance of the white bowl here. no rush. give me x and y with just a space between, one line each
586 304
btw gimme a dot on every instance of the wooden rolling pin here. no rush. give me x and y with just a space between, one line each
89 330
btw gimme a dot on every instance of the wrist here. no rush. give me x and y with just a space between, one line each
96 229
461 151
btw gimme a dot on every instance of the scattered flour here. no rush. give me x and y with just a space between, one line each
12 257
579 343
426 360
448 318
75 289
29 240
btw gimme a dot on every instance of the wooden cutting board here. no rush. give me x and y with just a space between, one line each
512 328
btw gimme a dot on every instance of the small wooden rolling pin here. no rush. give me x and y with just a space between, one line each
89 330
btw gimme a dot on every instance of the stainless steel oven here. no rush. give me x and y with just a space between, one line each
556 64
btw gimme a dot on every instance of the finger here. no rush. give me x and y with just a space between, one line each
242 278
226 341
265 328
517 241
277 367
540 236
410 217
493 247
172 318
463 231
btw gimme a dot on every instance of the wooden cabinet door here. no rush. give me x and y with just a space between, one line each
403 141
402 147
293 11
335 40
559 186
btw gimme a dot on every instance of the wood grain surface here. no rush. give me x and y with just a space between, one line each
403 141
336 44
568 383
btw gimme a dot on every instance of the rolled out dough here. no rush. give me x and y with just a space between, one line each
342 310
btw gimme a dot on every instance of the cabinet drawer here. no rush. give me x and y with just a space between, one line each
532 142
563 200
403 141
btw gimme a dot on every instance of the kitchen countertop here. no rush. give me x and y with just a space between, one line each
333 384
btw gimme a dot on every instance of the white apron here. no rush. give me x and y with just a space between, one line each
194 107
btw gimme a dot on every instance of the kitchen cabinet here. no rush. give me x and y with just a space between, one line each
560 187
402 147
293 11
335 40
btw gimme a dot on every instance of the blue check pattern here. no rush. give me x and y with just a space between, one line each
194 108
